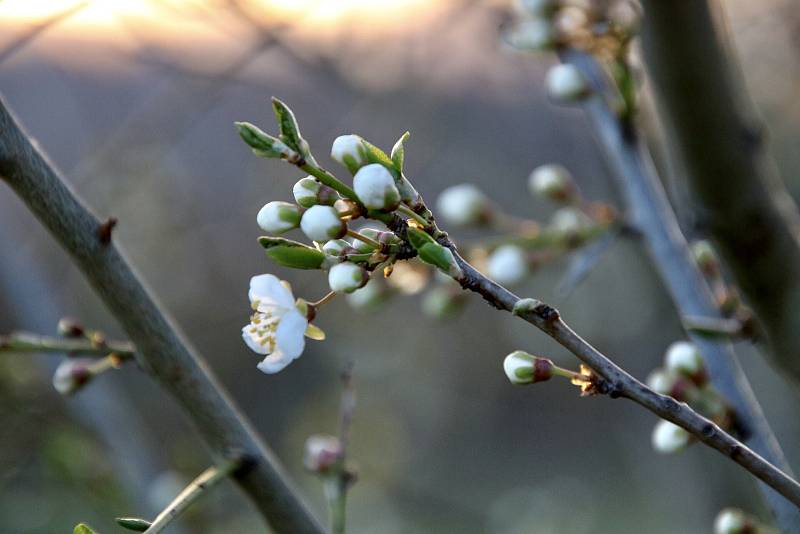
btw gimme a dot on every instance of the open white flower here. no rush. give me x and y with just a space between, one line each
277 328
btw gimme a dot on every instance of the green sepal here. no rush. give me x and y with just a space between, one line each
135 524
399 152
263 144
418 238
83 528
290 131
292 254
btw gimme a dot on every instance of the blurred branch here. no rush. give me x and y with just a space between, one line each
719 142
163 351
20 342
37 30
652 215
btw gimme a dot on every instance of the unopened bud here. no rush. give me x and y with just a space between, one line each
536 8
335 247
733 521
522 368
508 265
705 257
349 150
376 235
308 192
346 277
669 438
374 185
463 205
443 302
322 453
570 221
322 223
661 381
277 217
69 327
72 374
553 182
533 34
370 296
682 357
566 83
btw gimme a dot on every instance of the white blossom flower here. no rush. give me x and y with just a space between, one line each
566 83
277 217
462 205
349 150
683 357
551 181
322 223
277 328
374 185
669 438
508 264
346 277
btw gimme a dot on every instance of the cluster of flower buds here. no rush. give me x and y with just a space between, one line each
325 210
73 373
685 378
601 28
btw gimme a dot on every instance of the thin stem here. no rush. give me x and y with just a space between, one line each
200 485
326 178
324 300
364 239
405 210
23 342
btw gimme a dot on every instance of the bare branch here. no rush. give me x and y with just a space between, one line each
162 348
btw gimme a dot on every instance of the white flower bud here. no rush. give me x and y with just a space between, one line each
508 265
566 83
731 521
374 185
536 8
322 452
69 327
335 247
669 438
71 375
553 182
569 220
347 277
277 217
443 302
533 34
463 205
307 192
370 296
349 151
661 381
322 223
684 358
522 368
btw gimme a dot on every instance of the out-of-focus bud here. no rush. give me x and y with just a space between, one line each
522 368
682 357
370 296
374 185
335 247
705 257
508 265
533 34
72 374
322 223
69 327
626 16
537 8
570 221
566 83
553 182
463 205
349 150
277 217
669 438
322 453
346 277
443 302
308 192
733 521
661 381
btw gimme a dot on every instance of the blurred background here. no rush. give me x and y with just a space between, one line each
135 101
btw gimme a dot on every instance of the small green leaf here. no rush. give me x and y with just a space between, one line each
441 257
133 523
290 130
263 144
291 253
418 238
399 152
376 155
83 528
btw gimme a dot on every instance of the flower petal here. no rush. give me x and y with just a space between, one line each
251 341
268 289
290 335
274 362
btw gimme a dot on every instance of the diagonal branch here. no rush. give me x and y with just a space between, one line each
654 218
162 349
720 146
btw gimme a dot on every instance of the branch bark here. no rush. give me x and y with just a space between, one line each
719 145
162 350
651 214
